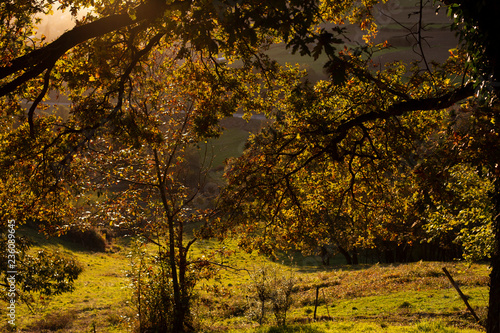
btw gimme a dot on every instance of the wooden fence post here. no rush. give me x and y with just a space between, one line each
461 294
316 303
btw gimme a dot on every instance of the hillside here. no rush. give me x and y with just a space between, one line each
415 297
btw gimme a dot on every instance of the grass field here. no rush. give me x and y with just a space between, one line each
415 297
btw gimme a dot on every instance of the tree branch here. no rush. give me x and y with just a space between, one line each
398 109
46 81
37 61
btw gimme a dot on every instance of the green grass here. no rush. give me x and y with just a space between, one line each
359 326
415 297
356 326
100 297
380 296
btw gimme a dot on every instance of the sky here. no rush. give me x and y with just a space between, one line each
52 26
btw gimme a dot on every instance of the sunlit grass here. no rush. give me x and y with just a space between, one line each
356 326
370 295
100 299
415 297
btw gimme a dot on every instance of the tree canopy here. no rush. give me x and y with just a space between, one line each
370 149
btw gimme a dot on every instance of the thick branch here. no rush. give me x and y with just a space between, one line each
399 109
36 62
89 132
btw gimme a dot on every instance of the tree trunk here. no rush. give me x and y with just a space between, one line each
389 256
355 256
325 256
183 287
179 311
345 254
493 322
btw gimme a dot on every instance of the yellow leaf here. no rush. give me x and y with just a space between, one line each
132 14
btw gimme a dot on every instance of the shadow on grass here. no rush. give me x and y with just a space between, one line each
312 264
89 241
291 329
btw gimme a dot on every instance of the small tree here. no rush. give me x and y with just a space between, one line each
281 299
148 182
45 272
146 186
153 291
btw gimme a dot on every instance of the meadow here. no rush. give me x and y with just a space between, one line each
412 297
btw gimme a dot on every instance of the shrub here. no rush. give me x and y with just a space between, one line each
152 296
90 239
272 288
153 292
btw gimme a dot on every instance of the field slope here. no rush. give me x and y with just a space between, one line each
414 297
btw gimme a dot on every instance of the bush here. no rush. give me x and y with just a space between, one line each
272 289
152 296
91 239
153 292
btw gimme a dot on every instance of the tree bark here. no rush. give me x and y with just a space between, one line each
325 256
493 321
346 254
355 260
179 311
